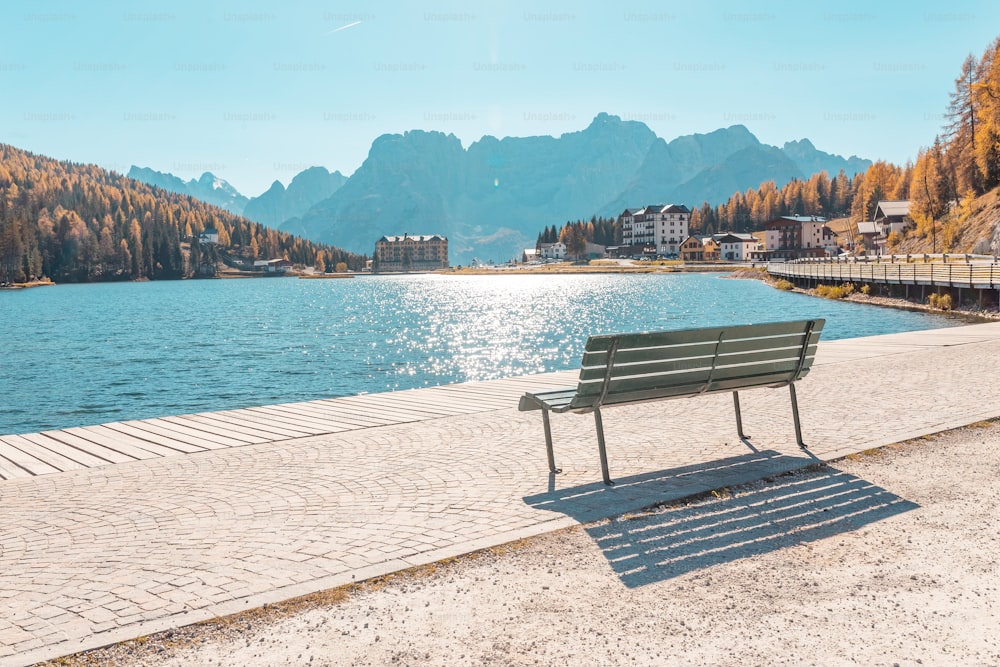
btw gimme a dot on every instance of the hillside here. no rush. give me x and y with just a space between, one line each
80 223
971 227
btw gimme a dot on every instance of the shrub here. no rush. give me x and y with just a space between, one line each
941 301
866 289
785 285
835 291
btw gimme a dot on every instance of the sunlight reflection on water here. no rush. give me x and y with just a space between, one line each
81 354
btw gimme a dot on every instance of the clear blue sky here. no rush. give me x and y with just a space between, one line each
257 91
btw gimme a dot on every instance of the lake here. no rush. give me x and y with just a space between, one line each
86 354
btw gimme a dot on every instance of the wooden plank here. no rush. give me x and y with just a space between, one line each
255 415
318 426
682 336
408 400
491 388
702 349
390 415
455 403
189 434
385 401
171 434
672 366
253 431
100 452
126 445
492 391
10 470
54 459
171 445
321 424
556 400
477 402
25 461
255 421
84 458
685 378
335 413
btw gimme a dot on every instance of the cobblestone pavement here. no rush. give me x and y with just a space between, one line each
93 556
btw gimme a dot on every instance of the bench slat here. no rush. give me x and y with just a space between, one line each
694 349
669 366
785 370
554 399
656 338
587 403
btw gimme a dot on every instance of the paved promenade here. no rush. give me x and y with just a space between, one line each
106 551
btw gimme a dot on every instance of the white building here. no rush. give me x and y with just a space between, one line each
736 247
555 250
660 227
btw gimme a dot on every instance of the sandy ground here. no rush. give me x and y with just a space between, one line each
886 558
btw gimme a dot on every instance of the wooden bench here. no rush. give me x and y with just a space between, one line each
633 368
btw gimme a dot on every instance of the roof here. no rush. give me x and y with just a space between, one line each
868 228
414 237
892 208
803 218
733 237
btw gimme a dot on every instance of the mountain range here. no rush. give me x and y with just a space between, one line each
208 188
492 198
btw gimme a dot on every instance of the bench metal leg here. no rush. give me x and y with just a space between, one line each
795 415
600 446
548 442
739 417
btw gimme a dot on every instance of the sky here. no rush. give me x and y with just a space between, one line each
257 91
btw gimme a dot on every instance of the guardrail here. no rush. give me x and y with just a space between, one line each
983 274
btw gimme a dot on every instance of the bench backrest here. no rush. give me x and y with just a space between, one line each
667 364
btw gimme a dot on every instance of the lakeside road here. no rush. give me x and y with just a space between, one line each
888 557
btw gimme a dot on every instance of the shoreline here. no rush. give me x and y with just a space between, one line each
27 285
974 316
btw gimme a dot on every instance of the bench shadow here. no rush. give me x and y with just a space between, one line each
594 500
788 511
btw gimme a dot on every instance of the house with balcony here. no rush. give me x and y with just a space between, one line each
712 250
873 237
892 216
411 252
657 229
795 236
736 247
692 250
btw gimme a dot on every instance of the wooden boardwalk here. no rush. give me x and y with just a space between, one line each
974 274
32 454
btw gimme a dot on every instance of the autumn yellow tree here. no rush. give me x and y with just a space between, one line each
929 192
986 101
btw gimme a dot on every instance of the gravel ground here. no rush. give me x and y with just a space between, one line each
885 558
